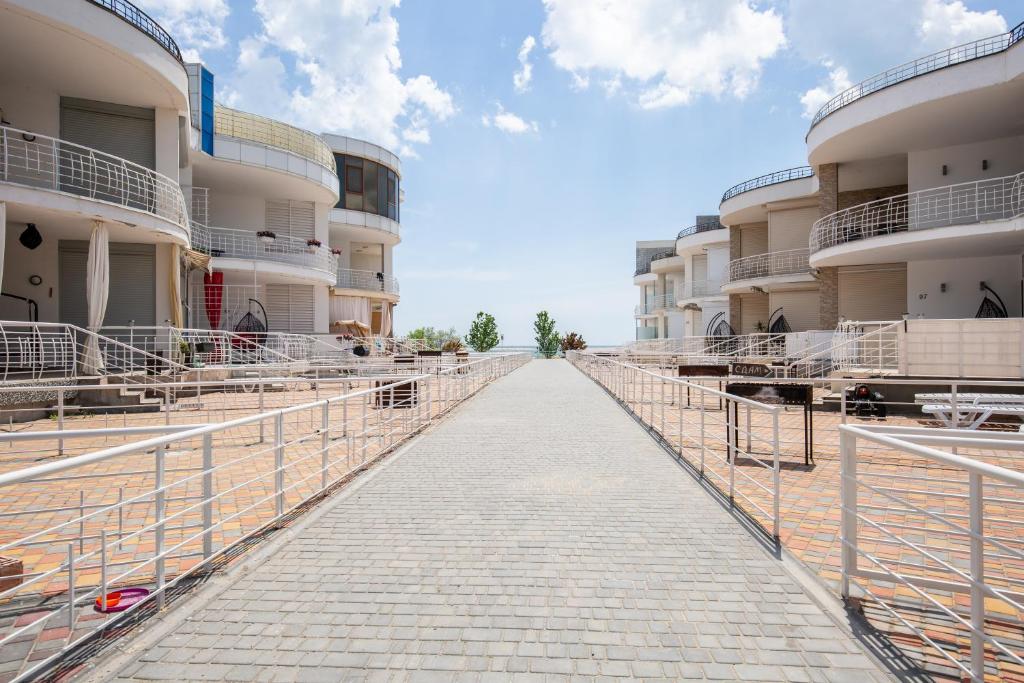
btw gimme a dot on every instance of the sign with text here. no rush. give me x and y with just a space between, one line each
751 370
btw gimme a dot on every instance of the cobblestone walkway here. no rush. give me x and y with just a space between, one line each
537 534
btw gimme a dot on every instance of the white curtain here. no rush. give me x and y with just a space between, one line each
350 308
385 320
97 284
175 287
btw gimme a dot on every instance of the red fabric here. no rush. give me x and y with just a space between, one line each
214 295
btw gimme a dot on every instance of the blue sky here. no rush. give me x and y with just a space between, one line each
527 193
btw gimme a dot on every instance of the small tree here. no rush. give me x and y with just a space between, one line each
432 338
573 342
548 341
483 333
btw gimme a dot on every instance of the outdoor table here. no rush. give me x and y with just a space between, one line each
773 394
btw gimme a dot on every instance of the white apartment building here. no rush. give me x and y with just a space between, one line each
680 282
128 197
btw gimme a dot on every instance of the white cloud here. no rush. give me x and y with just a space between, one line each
333 66
852 43
668 51
508 122
836 82
945 24
196 25
521 78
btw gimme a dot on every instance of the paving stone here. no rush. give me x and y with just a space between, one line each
536 534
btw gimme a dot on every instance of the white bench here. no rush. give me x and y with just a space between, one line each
972 409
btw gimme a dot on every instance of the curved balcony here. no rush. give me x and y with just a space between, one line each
969 203
657 303
699 228
41 162
698 289
366 280
255 128
283 249
142 21
771 264
918 67
645 268
766 180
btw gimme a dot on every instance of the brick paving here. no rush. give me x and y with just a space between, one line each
538 534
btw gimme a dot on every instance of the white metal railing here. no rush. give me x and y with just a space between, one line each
256 128
198 348
940 538
39 161
868 348
705 428
244 244
766 265
191 493
693 289
657 303
918 67
366 279
938 207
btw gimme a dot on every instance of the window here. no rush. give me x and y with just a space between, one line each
372 190
367 186
354 184
392 196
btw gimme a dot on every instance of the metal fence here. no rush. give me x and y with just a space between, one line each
42 162
945 533
768 179
151 512
259 129
656 303
142 21
918 67
938 207
772 263
692 289
246 244
366 279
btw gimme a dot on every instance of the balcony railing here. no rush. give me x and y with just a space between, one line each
142 21
48 163
960 204
699 288
256 128
700 227
366 279
769 264
645 268
923 65
657 303
768 179
244 244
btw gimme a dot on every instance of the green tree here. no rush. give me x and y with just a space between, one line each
548 341
432 338
483 333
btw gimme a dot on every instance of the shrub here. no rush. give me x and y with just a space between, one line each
573 342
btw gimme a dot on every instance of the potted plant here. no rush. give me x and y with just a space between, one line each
266 236
185 349
312 245
336 251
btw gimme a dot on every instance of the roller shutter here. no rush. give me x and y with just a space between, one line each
126 132
754 240
790 228
753 309
132 296
800 308
700 268
292 218
290 308
876 292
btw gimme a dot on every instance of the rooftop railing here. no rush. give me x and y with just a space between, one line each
645 268
769 264
923 65
142 21
260 129
245 244
47 163
700 227
366 279
938 207
768 179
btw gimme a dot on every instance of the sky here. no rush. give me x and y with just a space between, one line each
541 138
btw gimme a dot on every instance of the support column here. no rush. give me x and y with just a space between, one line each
735 252
828 277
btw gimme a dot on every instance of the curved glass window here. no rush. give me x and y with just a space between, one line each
367 186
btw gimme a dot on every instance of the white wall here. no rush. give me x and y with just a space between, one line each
1005 156
962 277
718 263
675 325
237 211
20 263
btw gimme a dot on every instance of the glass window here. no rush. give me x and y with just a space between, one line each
339 162
370 194
353 184
392 195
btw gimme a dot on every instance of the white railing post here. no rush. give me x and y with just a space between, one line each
776 477
207 508
976 493
325 425
159 512
71 587
848 507
279 463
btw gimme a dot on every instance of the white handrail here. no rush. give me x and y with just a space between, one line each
768 264
967 203
348 278
39 161
245 244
